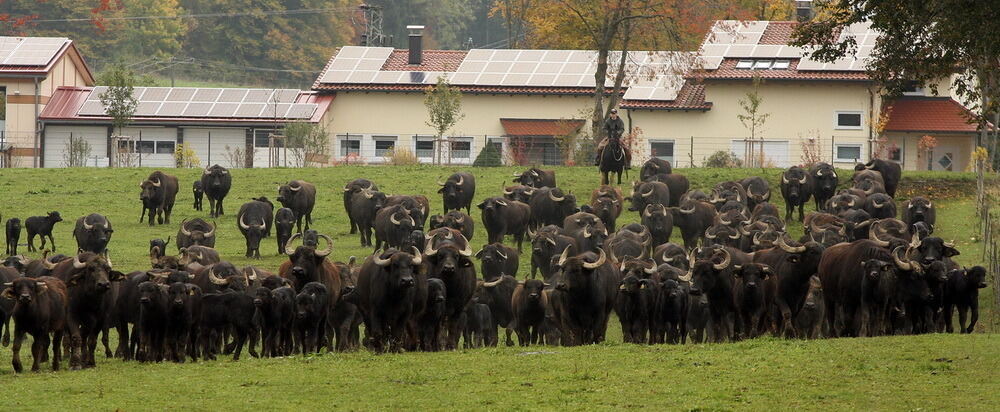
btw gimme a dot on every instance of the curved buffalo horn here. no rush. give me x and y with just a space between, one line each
802 181
743 229
294 187
417 258
877 204
784 179
460 219
600 261
504 204
724 221
516 175
556 199
725 262
467 251
368 193
645 212
211 233
691 258
929 205
381 262
666 259
461 180
687 276
899 262
392 218
429 250
371 186
622 267
687 211
780 242
440 183
183 229
288 245
215 279
709 234
915 241
502 255
819 173
534 173
648 194
735 236
448 234
586 232
493 283
86 226
77 264
156 183
243 223
563 257
507 192
47 264
329 247
529 192
756 238
253 273
649 271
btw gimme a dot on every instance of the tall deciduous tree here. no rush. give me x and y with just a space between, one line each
444 110
753 119
923 41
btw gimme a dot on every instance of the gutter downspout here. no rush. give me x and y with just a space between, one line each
37 145
871 119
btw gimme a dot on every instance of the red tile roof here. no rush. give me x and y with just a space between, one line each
540 127
690 97
65 103
419 88
727 71
778 32
432 61
929 114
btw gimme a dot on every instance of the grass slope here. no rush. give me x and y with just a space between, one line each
936 372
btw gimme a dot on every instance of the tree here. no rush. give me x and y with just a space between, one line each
513 13
308 142
753 118
119 99
444 110
924 42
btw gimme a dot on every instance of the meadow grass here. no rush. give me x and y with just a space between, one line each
900 373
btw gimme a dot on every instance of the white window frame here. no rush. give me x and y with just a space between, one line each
671 141
456 139
383 138
424 138
836 152
341 138
762 64
781 64
744 64
838 126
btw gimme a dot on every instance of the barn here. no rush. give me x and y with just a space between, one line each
231 127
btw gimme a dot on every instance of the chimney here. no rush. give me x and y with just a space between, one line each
804 10
416 44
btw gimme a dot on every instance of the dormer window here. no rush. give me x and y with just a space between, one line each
763 64
744 64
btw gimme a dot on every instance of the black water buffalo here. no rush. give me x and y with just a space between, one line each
796 190
92 233
498 294
88 278
528 305
758 191
449 260
386 295
714 281
693 217
503 217
198 193
365 205
195 232
392 225
606 203
300 196
626 244
809 323
228 311
276 309
284 219
792 267
254 220
549 242
660 222
39 310
199 255
458 192
891 173
151 325
497 260
431 321
678 185
13 231
312 309
158 193
216 182
418 206
350 189
520 193
537 178
648 193
962 292
550 206
588 286
731 191
634 305
824 183
919 209
183 314
671 254
654 166
41 226
880 206
158 248
670 315
754 297
457 220
853 275
307 264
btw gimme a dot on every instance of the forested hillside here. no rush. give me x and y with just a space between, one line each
287 42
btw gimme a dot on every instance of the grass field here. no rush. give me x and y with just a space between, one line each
929 372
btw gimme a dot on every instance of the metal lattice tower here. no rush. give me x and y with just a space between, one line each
372 35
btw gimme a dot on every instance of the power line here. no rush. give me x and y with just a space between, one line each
205 15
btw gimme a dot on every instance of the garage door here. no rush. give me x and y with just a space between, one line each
775 151
217 146
57 139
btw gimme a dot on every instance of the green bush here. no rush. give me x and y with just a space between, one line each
723 158
489 156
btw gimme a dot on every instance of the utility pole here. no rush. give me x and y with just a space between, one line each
372 34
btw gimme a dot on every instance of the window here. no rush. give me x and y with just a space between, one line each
744 64
165 147
781 64
913 89
849 120
147 146
383 147
461 149
895 154
425 148
126 146
848 153
349 144
662 150
762 64
261 137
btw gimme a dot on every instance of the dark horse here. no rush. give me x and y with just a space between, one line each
612 160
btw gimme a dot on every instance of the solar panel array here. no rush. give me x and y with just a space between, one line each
209 102
865 38
29 51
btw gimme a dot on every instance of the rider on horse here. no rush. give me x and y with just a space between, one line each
613 128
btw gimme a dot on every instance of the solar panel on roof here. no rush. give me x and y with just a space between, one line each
196 109
206 95
31 51
171 109
233 95
301 111
180 94
147 108
285 95
247 110
223 109
91 108
257 96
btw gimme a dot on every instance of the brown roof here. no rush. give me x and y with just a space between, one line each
419 88
432 61
690 97
727 71
540 127
929 114
68 49
778 32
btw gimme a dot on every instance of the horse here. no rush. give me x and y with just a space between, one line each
612 159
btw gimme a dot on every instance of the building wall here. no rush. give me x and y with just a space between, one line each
959 145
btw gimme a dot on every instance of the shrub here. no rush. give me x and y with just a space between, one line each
401 157
723 158
489 156
184 156
76 153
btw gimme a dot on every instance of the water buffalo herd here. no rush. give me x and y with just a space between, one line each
858 270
